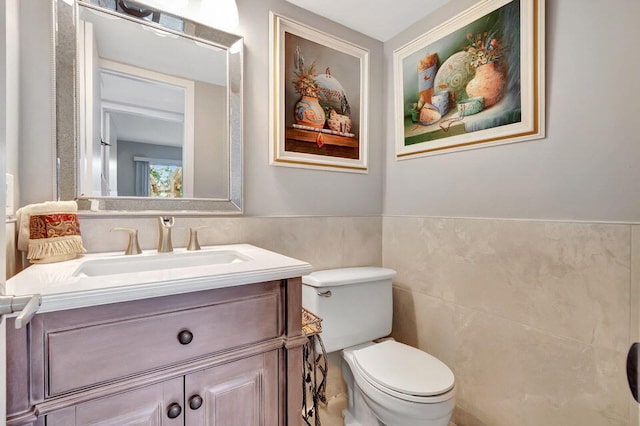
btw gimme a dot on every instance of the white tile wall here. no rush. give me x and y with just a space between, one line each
532 317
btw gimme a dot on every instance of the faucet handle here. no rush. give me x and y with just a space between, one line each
193 238
133 247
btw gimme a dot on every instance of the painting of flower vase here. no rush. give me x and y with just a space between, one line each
474 81
320 85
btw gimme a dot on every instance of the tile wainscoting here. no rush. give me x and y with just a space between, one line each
532 317
12 258
325 242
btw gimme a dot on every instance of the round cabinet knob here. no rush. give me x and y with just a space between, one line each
174 410
195 402
185 337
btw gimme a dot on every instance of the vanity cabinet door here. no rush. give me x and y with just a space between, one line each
240 393
156 405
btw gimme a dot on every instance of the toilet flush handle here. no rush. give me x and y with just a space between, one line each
324 293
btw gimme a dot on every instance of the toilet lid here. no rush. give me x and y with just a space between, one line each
404 369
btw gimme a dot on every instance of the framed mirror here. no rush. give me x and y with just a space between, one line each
148 110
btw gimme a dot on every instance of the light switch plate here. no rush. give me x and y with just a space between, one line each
9 193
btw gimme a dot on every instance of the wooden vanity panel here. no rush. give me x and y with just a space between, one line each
293 352
54 321
44 324
143 406
17 368
293 293
90 355
240 393
66 416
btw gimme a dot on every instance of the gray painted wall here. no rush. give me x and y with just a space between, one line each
5 43
585 169
268 190
9 92
211 156
282 190
36 151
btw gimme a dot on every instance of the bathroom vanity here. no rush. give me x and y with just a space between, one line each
209 344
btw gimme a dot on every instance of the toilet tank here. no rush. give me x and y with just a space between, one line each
355 304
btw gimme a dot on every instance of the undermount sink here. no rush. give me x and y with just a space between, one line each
103 278
158 262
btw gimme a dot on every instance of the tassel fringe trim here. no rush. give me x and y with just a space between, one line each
62 246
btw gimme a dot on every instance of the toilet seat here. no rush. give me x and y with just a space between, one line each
404 372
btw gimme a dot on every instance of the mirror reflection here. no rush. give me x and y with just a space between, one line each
153 107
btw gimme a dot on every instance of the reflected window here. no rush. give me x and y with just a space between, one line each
158 178
165 181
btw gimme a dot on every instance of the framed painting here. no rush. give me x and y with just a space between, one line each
476 80
319 99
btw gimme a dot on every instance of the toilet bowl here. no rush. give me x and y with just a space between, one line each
401 385
388 383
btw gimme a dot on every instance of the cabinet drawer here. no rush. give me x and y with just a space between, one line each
94 354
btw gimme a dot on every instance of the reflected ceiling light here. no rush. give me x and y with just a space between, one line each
222 14
236 47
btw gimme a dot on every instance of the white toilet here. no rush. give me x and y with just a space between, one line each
388 383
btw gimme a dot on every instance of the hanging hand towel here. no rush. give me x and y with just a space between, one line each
50 231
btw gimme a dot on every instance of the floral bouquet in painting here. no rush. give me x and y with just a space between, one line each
323 99
305 81
484 51
483 48
308 111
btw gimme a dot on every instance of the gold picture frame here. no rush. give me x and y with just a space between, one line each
319 89
475 81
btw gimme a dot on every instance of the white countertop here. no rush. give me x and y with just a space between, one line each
62 288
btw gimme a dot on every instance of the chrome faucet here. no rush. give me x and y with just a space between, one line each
164 234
